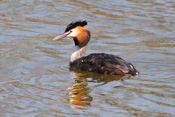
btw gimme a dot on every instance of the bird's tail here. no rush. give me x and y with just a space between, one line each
132 70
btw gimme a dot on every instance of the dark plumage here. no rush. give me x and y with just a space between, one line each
75 24
104 64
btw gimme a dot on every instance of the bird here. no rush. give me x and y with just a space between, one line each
96 62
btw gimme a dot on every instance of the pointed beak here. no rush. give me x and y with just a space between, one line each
61 36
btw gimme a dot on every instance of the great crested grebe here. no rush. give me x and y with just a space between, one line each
96 62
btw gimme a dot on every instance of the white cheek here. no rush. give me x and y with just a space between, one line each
73 33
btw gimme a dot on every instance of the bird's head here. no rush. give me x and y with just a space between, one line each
78 32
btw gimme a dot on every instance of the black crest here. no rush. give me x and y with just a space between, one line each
75 24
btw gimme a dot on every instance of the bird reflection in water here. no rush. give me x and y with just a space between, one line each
78 94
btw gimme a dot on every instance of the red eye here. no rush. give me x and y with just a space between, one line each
70 31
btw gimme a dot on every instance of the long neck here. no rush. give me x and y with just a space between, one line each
79 52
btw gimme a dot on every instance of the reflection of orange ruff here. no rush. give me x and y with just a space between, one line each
78 96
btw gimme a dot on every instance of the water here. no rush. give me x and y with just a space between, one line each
35 79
